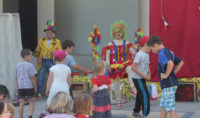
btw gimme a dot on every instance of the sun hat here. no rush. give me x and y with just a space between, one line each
59 54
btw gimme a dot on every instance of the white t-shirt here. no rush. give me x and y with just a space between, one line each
142 60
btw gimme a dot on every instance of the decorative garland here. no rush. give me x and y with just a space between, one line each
95 39
138 35
119 66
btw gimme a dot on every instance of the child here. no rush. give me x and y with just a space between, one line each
60 106
25 81
4 113
4 96
82 106
100 86
141 73
59 79
168 81
68 47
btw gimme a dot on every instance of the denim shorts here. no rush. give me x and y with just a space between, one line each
168 98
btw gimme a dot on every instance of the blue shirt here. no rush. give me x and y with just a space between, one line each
164 56
70 61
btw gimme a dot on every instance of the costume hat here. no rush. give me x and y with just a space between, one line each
143 40
50 25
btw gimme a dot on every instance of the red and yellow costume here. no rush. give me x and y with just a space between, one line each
120 58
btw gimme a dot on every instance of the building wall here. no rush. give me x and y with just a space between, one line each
144 16
45 12
10 6
1 6
75 18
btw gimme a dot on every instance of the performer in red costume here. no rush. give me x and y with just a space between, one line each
118 56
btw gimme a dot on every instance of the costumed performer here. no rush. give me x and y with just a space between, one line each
44 53
118 56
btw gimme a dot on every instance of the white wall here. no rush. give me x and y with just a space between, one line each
1 6
10 6
75 18
45 12
144 16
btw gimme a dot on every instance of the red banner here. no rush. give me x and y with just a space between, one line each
182 35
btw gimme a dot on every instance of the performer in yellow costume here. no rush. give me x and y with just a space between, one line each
45 53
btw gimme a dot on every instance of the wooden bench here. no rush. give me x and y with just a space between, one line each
79 88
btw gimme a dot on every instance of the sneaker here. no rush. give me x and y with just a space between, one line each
137 115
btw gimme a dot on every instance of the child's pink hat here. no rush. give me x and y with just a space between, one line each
59 54
143 40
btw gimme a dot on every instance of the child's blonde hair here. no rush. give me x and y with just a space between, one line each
82 105
60 103
98 66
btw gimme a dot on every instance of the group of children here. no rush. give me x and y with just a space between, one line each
59 81
168 81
